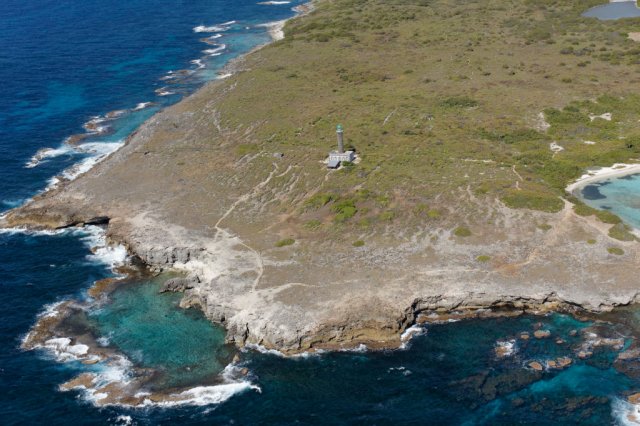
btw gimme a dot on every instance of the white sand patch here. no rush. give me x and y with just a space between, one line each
606 116
275 29
541 123
553 146
617 170
589 143
634 36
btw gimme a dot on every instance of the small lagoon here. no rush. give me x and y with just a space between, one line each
614 10
620 195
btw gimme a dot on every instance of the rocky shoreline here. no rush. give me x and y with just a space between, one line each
192 191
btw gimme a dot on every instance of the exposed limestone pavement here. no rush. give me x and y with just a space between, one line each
207 220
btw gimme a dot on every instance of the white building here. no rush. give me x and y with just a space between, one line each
336 157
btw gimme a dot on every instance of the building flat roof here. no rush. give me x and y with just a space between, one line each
332 164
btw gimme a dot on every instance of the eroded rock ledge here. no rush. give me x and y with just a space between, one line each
283 300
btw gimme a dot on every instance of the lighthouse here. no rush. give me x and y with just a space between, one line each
340 133
337 157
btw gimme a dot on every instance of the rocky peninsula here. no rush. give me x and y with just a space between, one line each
457 204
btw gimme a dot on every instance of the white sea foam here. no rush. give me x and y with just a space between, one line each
124 420
223 76
206 395
142 105
213 28
46 153
361 348
95 238
625 413
505 348
216 51
98 151
103 341
163 91
273 3
410 333
263 350
117 370
25 231
63 350
199 64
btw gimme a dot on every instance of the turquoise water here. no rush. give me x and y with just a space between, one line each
64 63
612 11
620 195
154 333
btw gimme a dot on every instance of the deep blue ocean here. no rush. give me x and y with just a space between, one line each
108 66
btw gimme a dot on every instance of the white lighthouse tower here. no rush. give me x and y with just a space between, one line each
337 157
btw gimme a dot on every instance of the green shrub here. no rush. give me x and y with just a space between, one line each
520 135
584 210
358 243
544 226
246 149
458 102
387 215
317 201
420 209
461 231
285 242
483 258
345 209
433 214
533 201
313 224
616 250
608 217
621 232
591 241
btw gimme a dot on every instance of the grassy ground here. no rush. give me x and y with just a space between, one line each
442 101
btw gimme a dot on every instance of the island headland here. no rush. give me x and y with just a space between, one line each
469 120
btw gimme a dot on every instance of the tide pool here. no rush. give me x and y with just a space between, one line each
153 332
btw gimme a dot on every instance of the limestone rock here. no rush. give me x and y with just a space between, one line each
536 366
178 285
541 334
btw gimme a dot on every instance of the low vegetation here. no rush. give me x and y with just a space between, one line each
621 232
461 231
615 250
285 242
441 98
